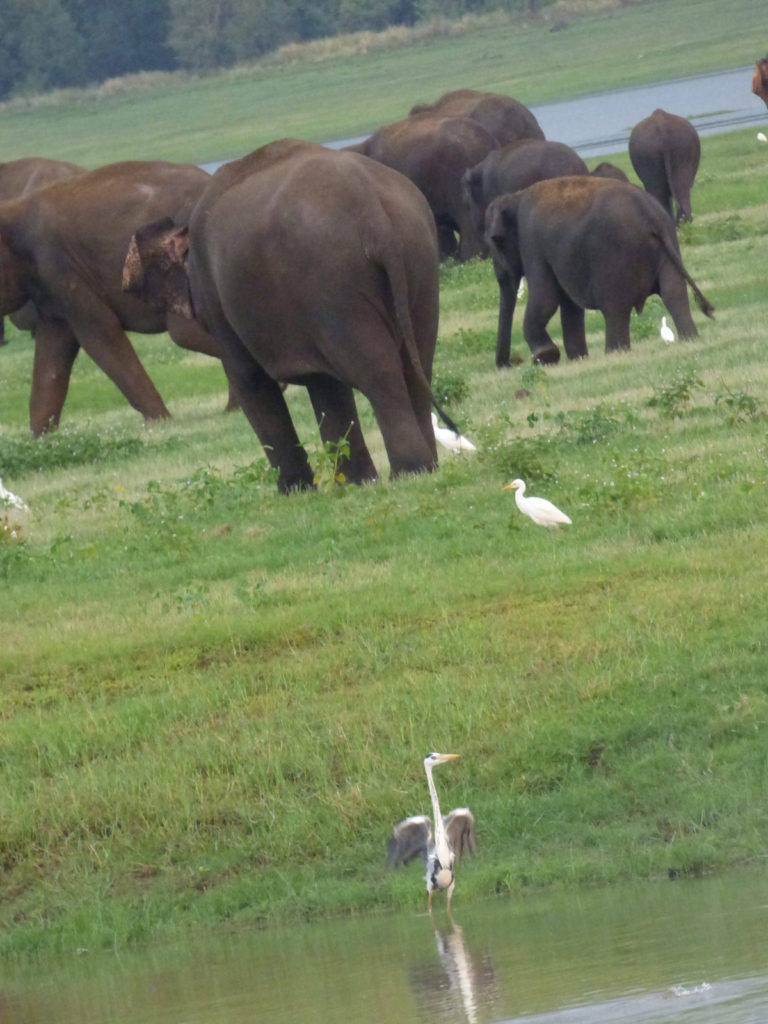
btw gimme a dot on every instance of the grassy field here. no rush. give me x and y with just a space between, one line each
215 699
230 114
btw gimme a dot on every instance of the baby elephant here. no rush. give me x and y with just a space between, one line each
585 243
665 152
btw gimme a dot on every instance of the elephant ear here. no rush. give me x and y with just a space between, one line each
500 221
154 268
13 294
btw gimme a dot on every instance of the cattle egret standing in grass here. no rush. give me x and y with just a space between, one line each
541 511
667 334
761 137
454 836
453 442
9 499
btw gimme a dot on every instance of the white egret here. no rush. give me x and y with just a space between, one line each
454 835
761 137
521 288
667 334
540 510
10 499
448 439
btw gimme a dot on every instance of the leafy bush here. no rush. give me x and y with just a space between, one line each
593 424
68 446
526 457
739 406
450 388
673 398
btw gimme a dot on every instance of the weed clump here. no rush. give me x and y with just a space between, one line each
450 388
673 398
59 449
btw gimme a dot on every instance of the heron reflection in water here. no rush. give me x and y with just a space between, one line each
461 984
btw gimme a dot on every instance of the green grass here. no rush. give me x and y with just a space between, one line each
229 114
215 699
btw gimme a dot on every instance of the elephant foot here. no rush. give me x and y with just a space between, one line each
550 354
288 483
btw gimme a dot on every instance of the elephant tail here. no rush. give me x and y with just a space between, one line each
390 258
673 256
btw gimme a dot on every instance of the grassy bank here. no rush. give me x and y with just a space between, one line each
215 700
231 113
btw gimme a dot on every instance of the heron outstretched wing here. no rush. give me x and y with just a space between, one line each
459 827
410 838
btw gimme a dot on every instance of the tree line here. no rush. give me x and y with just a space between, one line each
49 44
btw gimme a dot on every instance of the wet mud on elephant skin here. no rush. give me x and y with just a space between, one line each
585 243
316 267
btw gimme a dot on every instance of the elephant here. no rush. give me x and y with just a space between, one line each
585 243
434 152
505 118
320 268
63 247
606 170
17 178
760 80
665 150
514 167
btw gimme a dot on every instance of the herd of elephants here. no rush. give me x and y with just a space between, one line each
307 265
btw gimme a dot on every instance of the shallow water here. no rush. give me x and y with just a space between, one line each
682 951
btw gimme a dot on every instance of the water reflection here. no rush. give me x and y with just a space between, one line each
460 981
682 952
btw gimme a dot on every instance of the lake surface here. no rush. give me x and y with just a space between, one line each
694 952
600 123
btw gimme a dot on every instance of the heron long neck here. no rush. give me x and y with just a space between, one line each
441 843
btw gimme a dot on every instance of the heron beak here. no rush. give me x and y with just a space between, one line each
448 757
508 487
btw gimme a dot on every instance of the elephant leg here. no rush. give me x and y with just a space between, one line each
446 240
574 334
509 282
616 329
390 390
337 417
3 339
99 333
190 335
55 351
674 295
262 401
543 300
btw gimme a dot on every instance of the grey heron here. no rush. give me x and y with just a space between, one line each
453 836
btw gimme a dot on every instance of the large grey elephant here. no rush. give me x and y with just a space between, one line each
585 243
318 268
17 178
665 152
63 247
514 167
503 116
434 152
